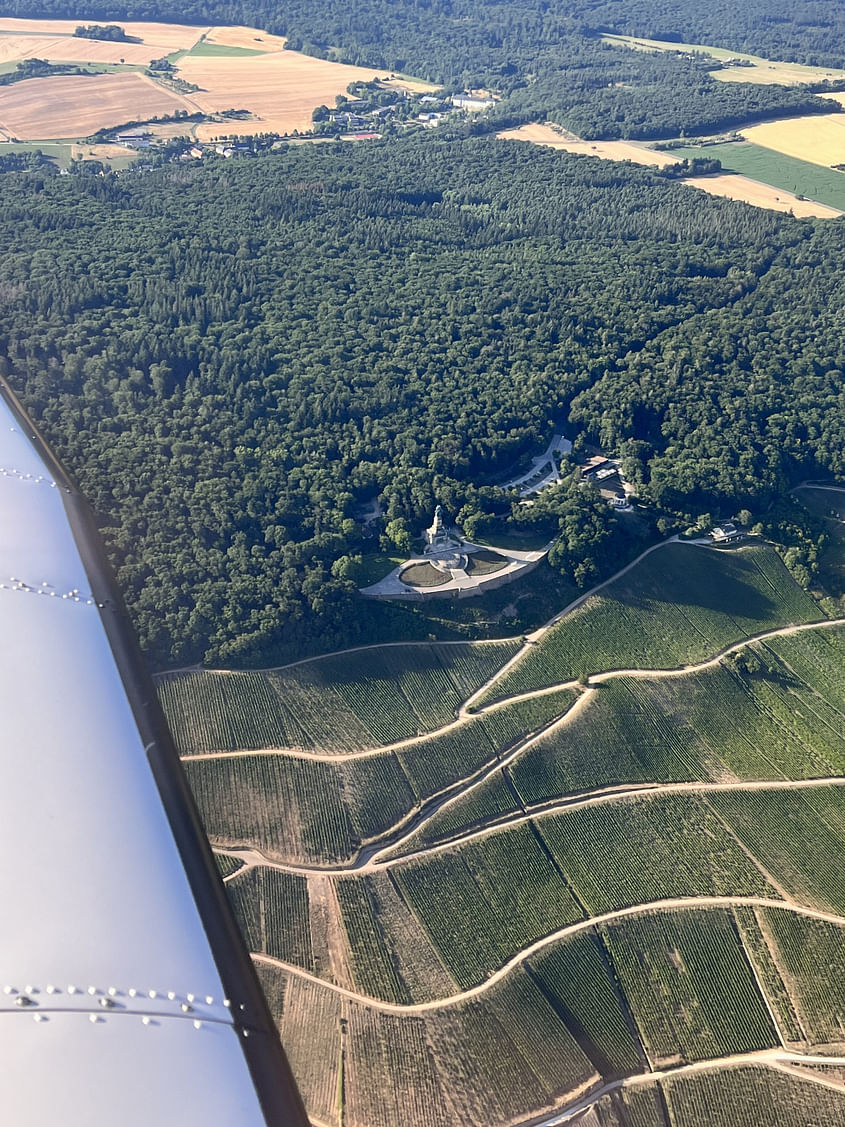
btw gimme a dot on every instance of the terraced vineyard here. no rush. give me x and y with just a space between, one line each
634 881
679 605
322 812
363 698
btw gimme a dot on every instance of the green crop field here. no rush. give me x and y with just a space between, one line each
817 657
632 852
344 702
825 185
221 50
623 735
690 986
643 1107
655 989
752 1097
486 802
298 809
415 961
720 723
508 1041
811 954
680 605
438 761
373 963
484 902
788 832
577 978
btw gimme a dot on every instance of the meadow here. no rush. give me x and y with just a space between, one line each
782 169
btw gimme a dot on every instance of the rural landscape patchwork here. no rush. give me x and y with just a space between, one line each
458 390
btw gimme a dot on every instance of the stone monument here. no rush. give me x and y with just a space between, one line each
442 547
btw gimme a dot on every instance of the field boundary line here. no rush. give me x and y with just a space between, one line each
197 668
677 904
813 1078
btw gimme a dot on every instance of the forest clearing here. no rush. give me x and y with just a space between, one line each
752 68
730 186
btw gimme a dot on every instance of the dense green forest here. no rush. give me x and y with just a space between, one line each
546 58
231 356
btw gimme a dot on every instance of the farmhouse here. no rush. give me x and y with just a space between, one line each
726 534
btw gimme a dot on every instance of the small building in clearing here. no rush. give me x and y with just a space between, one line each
726 534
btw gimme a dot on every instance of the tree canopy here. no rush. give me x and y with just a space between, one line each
231 356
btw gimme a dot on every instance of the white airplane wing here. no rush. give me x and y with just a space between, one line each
127 997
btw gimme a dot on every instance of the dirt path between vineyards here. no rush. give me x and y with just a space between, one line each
252 856
465 717
691 903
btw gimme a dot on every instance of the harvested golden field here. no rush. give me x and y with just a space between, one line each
548 136
761 195
249 37
819 140
74 106
67 49
281 89
169 36
755 69
765 73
